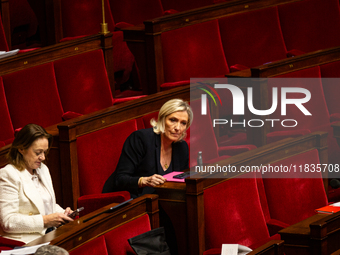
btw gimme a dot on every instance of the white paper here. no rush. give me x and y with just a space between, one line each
229 249
234 249
5 54
23 251
337 204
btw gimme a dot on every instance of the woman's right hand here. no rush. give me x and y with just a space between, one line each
152 181
55 220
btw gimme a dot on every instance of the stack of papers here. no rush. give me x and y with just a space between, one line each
5 54
23 250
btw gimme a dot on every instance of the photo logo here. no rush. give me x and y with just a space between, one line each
204 97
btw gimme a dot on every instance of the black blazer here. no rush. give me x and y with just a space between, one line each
141 157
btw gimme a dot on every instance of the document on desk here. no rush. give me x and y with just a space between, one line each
6 54
234 249
23 250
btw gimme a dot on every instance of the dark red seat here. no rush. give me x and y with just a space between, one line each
98 154
252 38
3 40
115 242
83 17
32 96
199 49
233 214
185 5
82 82
293 199
310 25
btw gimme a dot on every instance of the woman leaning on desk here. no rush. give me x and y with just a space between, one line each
150 153
27 200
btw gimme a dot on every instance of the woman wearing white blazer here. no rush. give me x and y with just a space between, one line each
27 200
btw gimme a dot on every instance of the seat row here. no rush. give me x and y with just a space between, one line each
49 93
232 40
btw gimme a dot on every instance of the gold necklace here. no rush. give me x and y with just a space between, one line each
166 166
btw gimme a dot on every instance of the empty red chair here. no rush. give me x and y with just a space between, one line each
82 82
98 154
233 214
192 51
7 132
252 38
83 17
135 12
32 96
293 199
115 241
202 138
319 120
310 25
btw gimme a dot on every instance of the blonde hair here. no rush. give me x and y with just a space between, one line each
171 106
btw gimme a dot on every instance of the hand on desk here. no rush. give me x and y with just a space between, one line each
151 181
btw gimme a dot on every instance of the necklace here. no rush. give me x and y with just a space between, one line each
166 166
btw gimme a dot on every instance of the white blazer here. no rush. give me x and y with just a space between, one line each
21 206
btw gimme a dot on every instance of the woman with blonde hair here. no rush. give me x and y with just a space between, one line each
150 153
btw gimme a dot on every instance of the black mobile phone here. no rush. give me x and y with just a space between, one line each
182 175
75 213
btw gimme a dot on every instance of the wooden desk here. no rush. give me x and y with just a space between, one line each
76 233
336 132
318 234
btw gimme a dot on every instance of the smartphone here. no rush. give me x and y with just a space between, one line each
182 175
75 213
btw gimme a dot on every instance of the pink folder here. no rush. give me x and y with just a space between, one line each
169 177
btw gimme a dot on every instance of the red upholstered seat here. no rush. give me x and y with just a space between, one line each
295 199
95 246
310 25
199 49
115 242
98 154
83 17
9 244
252 38
202 138
32 96
7 132
83 83
233 214
318 121
135 12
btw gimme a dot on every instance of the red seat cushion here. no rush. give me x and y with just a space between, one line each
95 246
310 25
33 97
83 83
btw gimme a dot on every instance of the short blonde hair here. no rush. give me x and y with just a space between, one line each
171 106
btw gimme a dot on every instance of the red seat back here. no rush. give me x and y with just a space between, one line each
83 17
310 25
135 12
252 38
185 5
201 46
295 199
32 96
98 155
83 83
227 213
